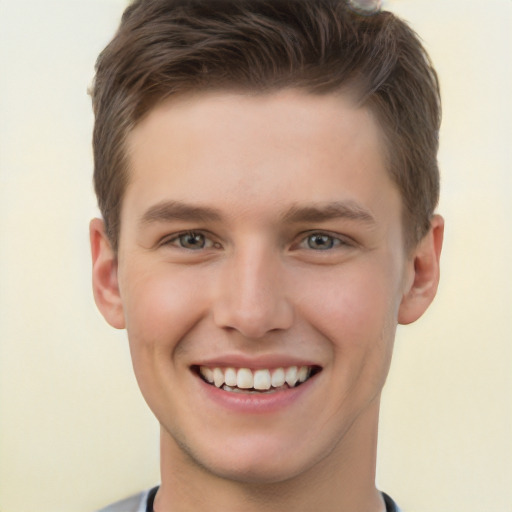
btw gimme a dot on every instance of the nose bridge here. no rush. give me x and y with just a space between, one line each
251 296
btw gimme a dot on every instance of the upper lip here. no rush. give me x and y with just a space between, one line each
255 362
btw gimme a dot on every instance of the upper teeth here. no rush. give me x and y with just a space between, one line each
263 379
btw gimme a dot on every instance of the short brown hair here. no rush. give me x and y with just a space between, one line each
166 47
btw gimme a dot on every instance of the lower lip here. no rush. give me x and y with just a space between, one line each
256 403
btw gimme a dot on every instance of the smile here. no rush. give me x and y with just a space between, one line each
245 380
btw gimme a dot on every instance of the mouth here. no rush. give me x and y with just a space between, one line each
258 381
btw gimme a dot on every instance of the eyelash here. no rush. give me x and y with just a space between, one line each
304 243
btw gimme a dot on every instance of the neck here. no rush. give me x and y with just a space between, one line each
343 481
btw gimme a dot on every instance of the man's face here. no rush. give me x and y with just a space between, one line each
261 233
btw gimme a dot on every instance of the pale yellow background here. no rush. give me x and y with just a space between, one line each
75 433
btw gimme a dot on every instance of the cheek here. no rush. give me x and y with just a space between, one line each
355 307
160 305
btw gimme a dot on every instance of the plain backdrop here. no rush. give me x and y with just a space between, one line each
75 433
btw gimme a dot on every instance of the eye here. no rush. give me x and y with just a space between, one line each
321 242
191 240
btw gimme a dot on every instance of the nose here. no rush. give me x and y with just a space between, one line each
251 294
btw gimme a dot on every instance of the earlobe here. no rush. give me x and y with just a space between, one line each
104 276
422 287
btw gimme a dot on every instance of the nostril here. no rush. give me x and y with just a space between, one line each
249 296
254 323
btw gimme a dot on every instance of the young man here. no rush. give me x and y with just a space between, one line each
267 175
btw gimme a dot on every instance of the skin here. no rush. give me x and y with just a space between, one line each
298 255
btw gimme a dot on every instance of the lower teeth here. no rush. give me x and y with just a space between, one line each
225 387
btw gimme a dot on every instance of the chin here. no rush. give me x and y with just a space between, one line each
254 461
256 473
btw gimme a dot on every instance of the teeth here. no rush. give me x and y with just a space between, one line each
262 379
207 373
231 379
244 378
303 373
291 376
218 377
278 378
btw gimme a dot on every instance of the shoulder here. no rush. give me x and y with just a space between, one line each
135 503
391 506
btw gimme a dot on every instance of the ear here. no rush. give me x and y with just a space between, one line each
104 276
423 278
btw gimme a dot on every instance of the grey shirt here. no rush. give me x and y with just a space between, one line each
139 503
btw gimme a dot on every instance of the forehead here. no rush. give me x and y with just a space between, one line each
256 154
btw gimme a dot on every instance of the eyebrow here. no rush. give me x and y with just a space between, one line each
328 211
168 211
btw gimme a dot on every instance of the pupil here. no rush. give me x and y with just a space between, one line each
192 241
320 242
